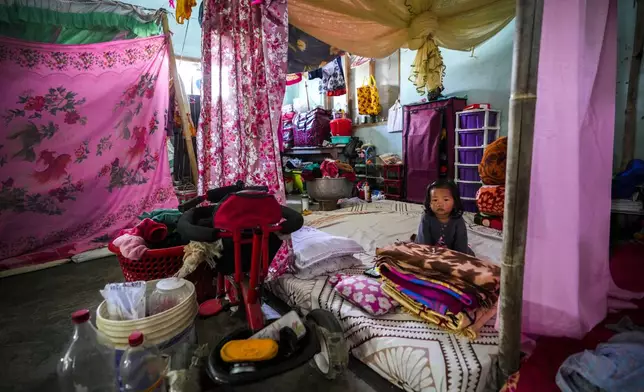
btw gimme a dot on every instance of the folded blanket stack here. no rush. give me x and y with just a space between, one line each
453 290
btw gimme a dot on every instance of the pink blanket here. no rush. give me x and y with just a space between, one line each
82 144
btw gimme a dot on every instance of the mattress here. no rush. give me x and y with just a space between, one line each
408 352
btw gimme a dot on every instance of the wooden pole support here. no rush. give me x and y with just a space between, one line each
630 114
523 100
184 108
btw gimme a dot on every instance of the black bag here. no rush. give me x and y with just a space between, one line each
350 149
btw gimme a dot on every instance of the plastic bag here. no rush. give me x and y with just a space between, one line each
125 301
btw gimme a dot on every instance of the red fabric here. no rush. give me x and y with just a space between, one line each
246 210
149 230
627 266
329 169
538 372
336 93
292 79
351 176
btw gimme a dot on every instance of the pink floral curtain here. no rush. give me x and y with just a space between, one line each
82 144
244 79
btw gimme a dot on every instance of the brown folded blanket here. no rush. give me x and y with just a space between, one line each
441 263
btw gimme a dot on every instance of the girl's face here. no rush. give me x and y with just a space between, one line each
442 202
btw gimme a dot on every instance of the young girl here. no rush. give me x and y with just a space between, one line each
442 223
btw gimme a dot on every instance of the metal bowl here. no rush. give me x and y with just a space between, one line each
329 189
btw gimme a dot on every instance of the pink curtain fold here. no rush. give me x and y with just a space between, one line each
566 273
244 78
82 144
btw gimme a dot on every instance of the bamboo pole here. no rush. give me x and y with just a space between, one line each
184 108
630 114
525 61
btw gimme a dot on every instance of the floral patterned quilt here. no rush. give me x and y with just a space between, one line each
82 148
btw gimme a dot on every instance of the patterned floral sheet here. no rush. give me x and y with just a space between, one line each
410 353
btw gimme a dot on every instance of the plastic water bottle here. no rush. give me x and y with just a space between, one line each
142 367
87 364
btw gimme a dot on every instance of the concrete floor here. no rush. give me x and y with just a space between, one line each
35 326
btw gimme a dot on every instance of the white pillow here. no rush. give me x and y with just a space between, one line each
312 246
327 267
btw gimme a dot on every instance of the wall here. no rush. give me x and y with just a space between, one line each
483 76
625 32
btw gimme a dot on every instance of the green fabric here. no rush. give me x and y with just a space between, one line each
169 217
43 25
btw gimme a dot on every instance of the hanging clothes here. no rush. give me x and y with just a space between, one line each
184 10
357 61
306 53
333 83
244 80
292 79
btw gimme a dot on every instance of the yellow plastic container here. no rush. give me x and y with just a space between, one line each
249 350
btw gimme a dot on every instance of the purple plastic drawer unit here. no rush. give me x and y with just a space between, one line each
468 189
471 155
470 206
468 173
476 120
475 138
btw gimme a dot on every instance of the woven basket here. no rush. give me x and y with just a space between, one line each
164 263
157 329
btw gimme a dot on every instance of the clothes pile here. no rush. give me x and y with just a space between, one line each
329 168
490 198
613 366
455 291
157 230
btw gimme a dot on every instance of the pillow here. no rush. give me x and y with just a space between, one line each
327 267
490 199
312 246
493 163
365 293
335 279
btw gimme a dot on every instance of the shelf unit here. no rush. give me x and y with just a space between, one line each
475 129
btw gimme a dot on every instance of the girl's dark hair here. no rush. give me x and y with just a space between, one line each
457 211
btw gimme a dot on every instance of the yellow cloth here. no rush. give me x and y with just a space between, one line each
184 10
377 28
459 324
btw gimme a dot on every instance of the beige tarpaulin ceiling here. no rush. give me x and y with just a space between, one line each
377 28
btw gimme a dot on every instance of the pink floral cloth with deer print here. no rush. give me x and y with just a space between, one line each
82 148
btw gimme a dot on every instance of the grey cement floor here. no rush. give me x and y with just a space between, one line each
35 326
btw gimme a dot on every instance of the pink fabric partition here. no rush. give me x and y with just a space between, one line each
82 144
244 79
566 273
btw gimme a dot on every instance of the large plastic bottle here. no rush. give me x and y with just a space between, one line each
142 367
88 363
